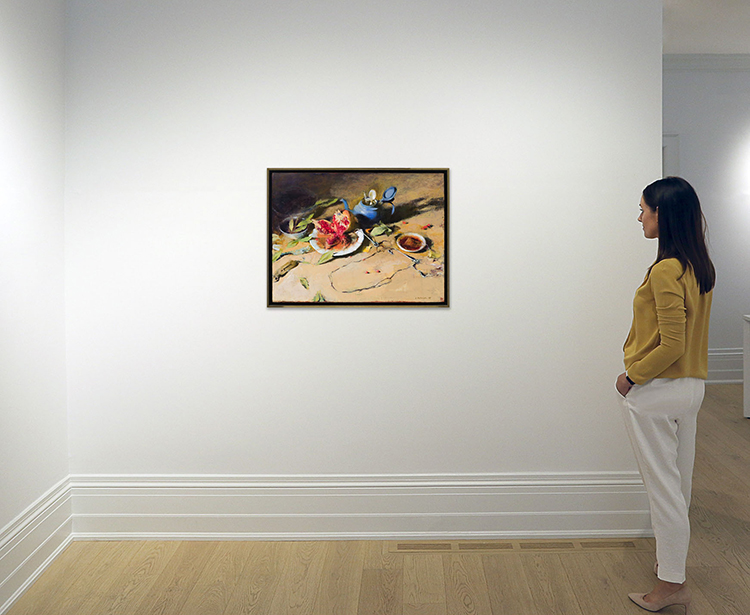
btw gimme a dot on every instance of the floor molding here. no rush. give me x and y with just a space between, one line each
707 61
33 540
359 507
725 366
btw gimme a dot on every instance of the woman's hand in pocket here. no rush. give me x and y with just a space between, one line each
622 385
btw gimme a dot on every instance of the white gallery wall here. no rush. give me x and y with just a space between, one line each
548 116
707 115
33 421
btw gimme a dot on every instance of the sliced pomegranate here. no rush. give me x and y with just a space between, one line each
332 234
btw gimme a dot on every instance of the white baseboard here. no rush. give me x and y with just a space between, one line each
359 507
725 366
32 541
707 61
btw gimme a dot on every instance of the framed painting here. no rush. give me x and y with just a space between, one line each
357 237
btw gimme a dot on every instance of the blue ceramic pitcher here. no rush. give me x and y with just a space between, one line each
370 214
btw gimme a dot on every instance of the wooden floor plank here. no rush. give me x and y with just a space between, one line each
725 403
465 585
425 609
219 579
341 580
47 592
109 558
381 592
722 533
508 587
378 556
726 445
170 592
303 569
259 582
625 573
549 585
134 580
703 550
722 591
424 583
700 602
592 585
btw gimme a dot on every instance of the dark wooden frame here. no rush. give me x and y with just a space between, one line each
276 212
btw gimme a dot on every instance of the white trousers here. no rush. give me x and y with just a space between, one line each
660 417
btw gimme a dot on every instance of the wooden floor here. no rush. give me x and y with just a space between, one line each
357 578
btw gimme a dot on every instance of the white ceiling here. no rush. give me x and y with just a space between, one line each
707 26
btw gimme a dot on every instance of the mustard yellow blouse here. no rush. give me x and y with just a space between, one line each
669 334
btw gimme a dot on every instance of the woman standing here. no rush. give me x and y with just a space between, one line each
666 362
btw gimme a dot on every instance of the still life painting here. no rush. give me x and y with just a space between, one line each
357 237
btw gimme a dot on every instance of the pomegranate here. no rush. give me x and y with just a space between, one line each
332 234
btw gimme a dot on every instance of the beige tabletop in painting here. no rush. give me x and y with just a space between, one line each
372 273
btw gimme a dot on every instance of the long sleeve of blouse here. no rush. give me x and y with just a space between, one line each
669 335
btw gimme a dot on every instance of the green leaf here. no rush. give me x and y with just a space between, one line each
325 202
326 257
278 255
304 282
319 298
380 229
293 243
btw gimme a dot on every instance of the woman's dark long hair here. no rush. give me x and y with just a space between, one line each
682 228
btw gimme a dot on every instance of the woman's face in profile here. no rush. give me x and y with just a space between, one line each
649 218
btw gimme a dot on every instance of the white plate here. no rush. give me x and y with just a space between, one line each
422 242
352 247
